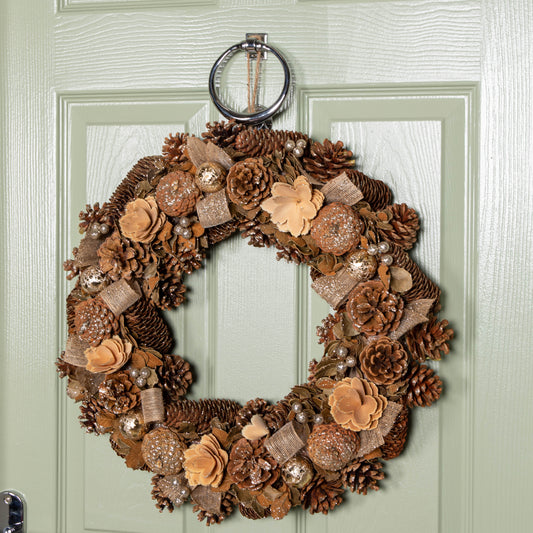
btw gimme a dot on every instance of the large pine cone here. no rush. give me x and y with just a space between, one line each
373 309
175 376
248 183
118 394
405 226
361 476
375 192
425 387
170 291
256 143
148 327
223 133
328 160
429 340
175 148
332 447
384 361
176 194
321 496
94 321
250 466
397 436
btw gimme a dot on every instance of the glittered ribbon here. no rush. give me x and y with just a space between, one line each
152 405
335 289
341 189
75 351
87 252
120 295
286 442
213 210
207 499
414 313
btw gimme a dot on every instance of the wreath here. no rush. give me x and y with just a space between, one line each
278 189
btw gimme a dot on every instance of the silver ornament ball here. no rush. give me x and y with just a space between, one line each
93 280
387 259
383 247
298 152
373 249
301 417
290 145
297 407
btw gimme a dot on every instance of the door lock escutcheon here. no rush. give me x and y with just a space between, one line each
12 507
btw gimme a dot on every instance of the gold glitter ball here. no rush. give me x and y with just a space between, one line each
131 425
210 177
93 280
297 472
332 447
162 450
361 265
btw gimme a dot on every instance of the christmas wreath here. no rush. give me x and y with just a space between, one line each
278 189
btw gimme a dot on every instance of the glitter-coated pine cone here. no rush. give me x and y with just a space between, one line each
363 475
248 183
249 409
118 393
332 447
250 466
89 410
255 143
327 160
325 330
94 321
221 232
163 449
425 387
176 194
321 496
250 230
174 149
396 438
223 133
429 340
373 309
384 361
175 376
169 491
375 192
226 508
405 226
337 228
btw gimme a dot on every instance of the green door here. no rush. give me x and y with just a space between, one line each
432 97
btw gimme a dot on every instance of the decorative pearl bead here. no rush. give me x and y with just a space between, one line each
184 492
341 367
289 145
372 249
178 230
140 382
342 351
301 417
297 407
145 372
387 259
187 233
318 419
383 247
94 231
301 143
184 222
298 152
134 372
350 361
104 229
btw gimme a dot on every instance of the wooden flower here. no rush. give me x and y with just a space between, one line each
292 207
356 404
108 356
205 462
142 220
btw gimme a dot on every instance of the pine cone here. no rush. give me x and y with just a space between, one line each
374 310
163 450
117 393
397 436
332 447
167 491
250 466
250 230
321 496
191 260
256 143
145 169
248 183
325 331
405 226
223 133
63 368
170 291
148 327
328 160
425 387
89 409
384 361
176 194
250 512
221 232
375 192
422 287
93 215
226 508
361 476
251 408
276 415
74 298
175 376
429 340
174 149
94 321
201 412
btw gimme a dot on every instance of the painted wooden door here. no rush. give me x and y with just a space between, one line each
434 98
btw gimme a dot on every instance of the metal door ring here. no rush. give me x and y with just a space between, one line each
252 45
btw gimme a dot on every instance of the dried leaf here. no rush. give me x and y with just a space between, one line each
220 435
401 280
384 275
134 459
325 383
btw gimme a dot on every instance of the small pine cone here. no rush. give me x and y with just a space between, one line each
250 230
276 415
200 413
174 150
425 387
397 436
191 261
251 408
221 232
226 508
148 327
361 476
171 292
256 143
223 133
175 376
249 512
321 496
312 370
75 297
325 331
94 321
429 340
176 194
93 215
117 393
289 254
145 169
71 266
89 409
384 361
327 160
248 183
63 368
422 287
405 226
375 192
332 447
161 494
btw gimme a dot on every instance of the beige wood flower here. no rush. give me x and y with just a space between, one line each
292 207
356 404
108 356
142 220
205 462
